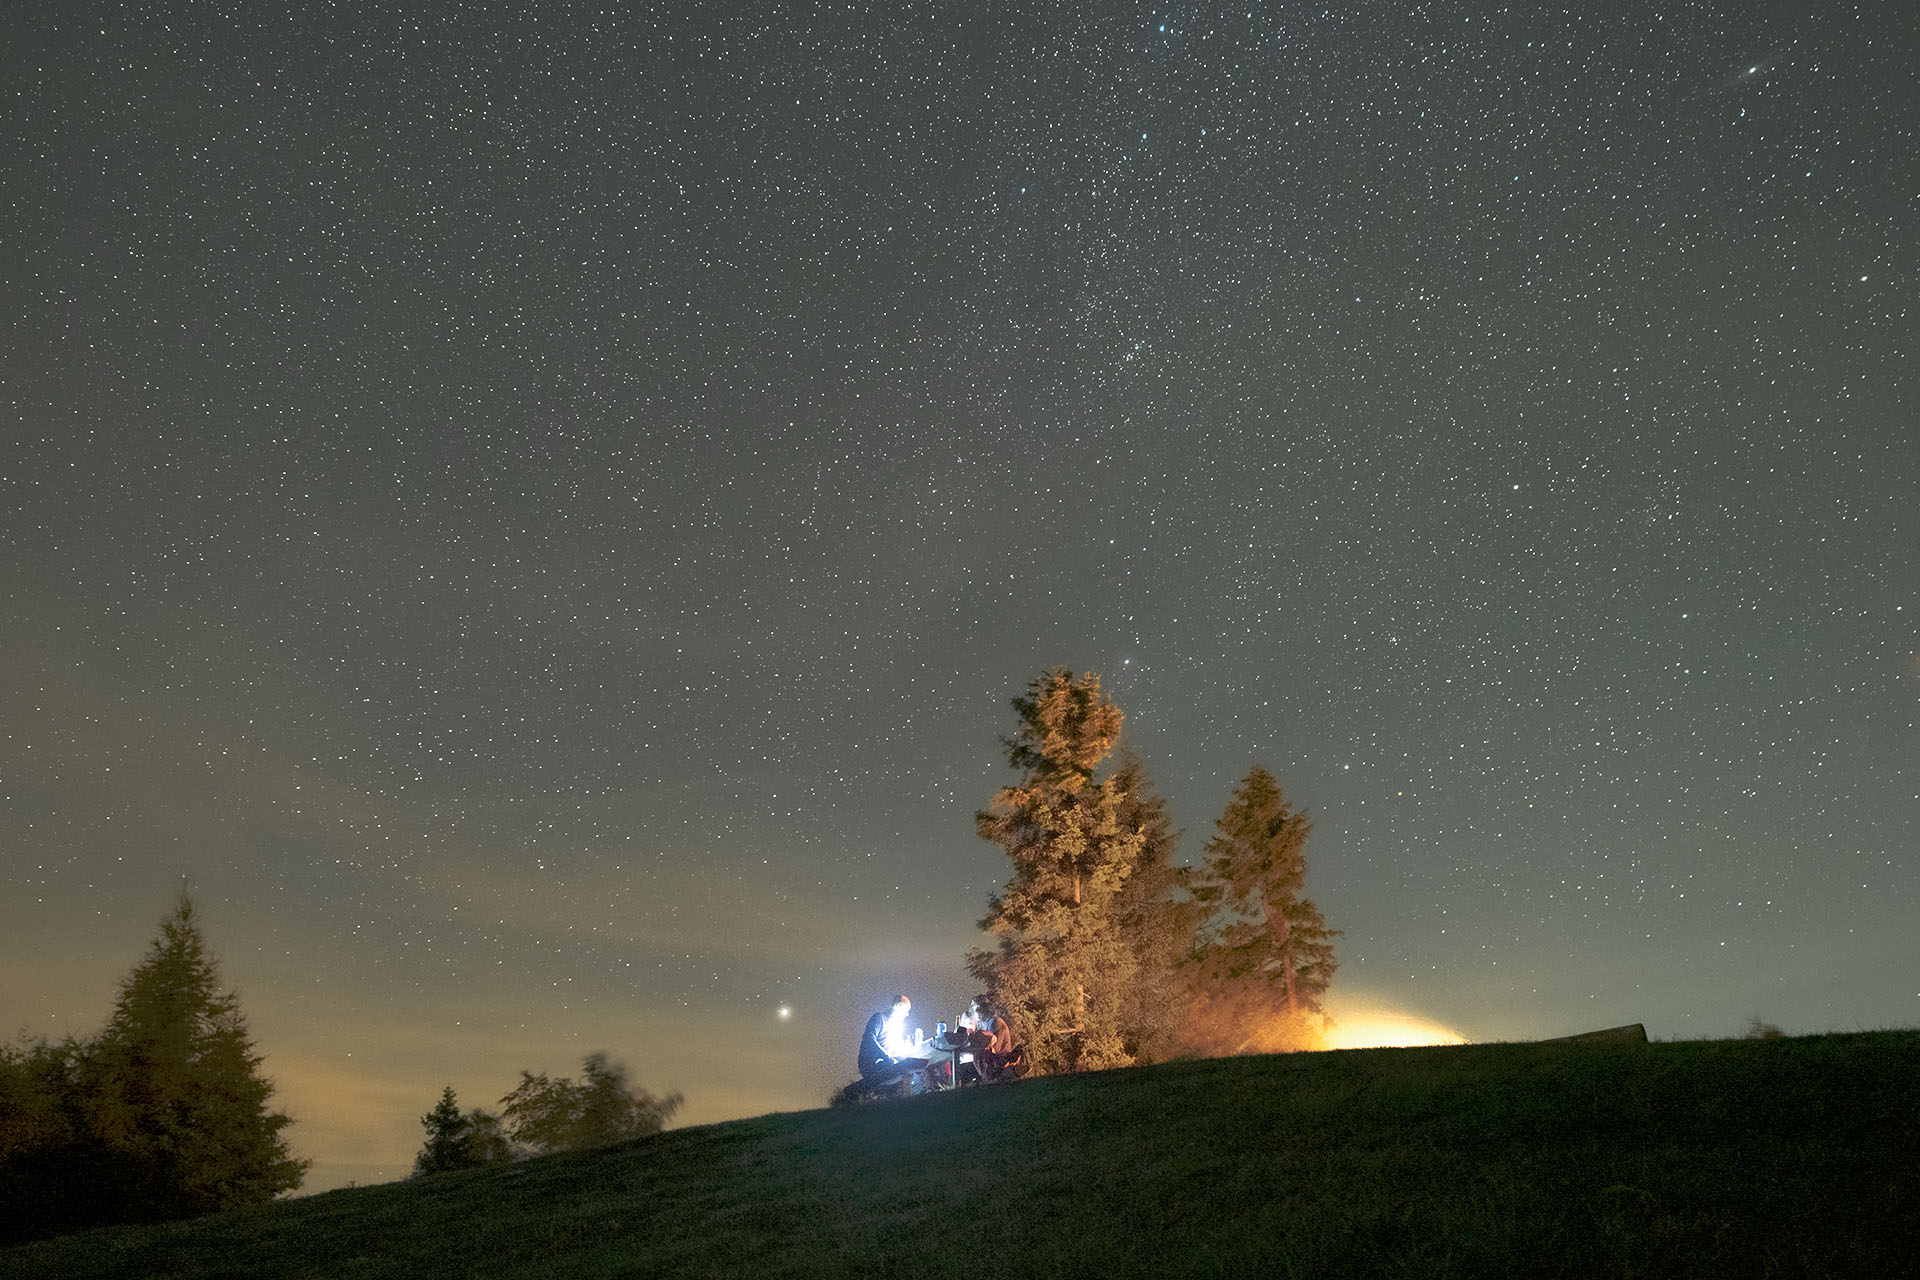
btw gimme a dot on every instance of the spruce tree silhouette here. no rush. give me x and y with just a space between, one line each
171 1094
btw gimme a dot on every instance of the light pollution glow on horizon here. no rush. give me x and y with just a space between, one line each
1355 1022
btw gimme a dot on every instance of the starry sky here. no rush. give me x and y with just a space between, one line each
537 512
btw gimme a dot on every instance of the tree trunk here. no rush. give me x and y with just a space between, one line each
1283 937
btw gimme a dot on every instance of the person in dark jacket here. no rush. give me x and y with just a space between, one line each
877 1066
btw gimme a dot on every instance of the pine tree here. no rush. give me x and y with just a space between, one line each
172 1092
456 1141
1155 917
1063 967
446 1146
1262 932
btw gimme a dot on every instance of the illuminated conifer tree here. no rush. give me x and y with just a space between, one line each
1063 966
1260 929
1156 920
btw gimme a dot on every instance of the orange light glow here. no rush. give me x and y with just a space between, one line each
1378 1028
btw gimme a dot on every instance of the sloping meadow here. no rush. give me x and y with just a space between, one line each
1781 1157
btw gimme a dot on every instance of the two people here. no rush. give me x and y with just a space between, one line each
985 1029
994 1052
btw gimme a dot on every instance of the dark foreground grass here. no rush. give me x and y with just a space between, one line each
1742 1158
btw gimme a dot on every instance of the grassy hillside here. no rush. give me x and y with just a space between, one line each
1767 1157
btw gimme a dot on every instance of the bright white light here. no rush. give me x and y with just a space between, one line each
785 1012
895 1040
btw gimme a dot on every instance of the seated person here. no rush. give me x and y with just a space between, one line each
1000 1053
877 1066
968 1035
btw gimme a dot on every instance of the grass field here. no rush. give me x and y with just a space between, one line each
1792 1157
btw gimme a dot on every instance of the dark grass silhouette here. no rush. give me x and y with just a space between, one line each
1783 1157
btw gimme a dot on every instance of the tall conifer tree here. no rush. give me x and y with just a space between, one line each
1155 918
1063 966
1262 932
172 1089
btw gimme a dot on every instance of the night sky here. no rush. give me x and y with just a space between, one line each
538 512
